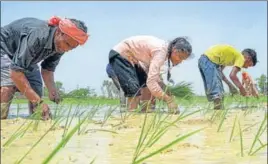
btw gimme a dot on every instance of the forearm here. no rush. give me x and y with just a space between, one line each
48 77
225 79
236 81
158 92
165 88
24 87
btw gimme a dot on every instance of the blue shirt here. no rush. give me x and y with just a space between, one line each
27 42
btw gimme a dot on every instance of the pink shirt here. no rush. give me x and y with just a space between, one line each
150 53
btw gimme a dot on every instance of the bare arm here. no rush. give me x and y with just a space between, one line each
234 78
48 67
224 78
48 77
154 75
24 87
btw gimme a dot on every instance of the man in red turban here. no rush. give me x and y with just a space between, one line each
25 43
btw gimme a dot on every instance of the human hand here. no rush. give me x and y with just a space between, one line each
54 96
46 115
243 92
172 106
45 110
233 90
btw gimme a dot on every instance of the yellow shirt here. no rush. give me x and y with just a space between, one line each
225 55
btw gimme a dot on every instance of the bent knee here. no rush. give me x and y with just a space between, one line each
7 93
4 110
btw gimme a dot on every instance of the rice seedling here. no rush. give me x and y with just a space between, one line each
216 114
223 117
59 111
65 129
93 160
75 114
179 139
154 128
245 129
60 114
18 133
70 134
152 131
38 141
101 130
68 123
206 110
18 109
123 114
79 125
26 129
37 116
108 114
258 149
262 128
140 138
22 130
241 139
93 110
233 129
64 141
160 131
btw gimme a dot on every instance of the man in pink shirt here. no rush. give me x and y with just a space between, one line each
137 62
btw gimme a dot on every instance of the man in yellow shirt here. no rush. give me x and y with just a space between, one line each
211 65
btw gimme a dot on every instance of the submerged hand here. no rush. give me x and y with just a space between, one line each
233 90
243 92
45 110
46 115
54 96
172 106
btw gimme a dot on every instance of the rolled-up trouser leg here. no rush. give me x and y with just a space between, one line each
133 102
7 93
121 92
5 110
7 86
147 100
212 78
127 78
123 100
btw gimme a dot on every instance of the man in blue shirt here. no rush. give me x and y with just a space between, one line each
25 43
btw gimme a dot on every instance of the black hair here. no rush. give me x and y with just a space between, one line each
179 43
252 53
79 24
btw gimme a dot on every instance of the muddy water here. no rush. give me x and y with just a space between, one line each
205 147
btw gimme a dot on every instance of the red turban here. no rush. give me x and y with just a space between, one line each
69 28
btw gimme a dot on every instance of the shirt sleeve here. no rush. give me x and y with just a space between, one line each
239 59
25 52
51 62
156 63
